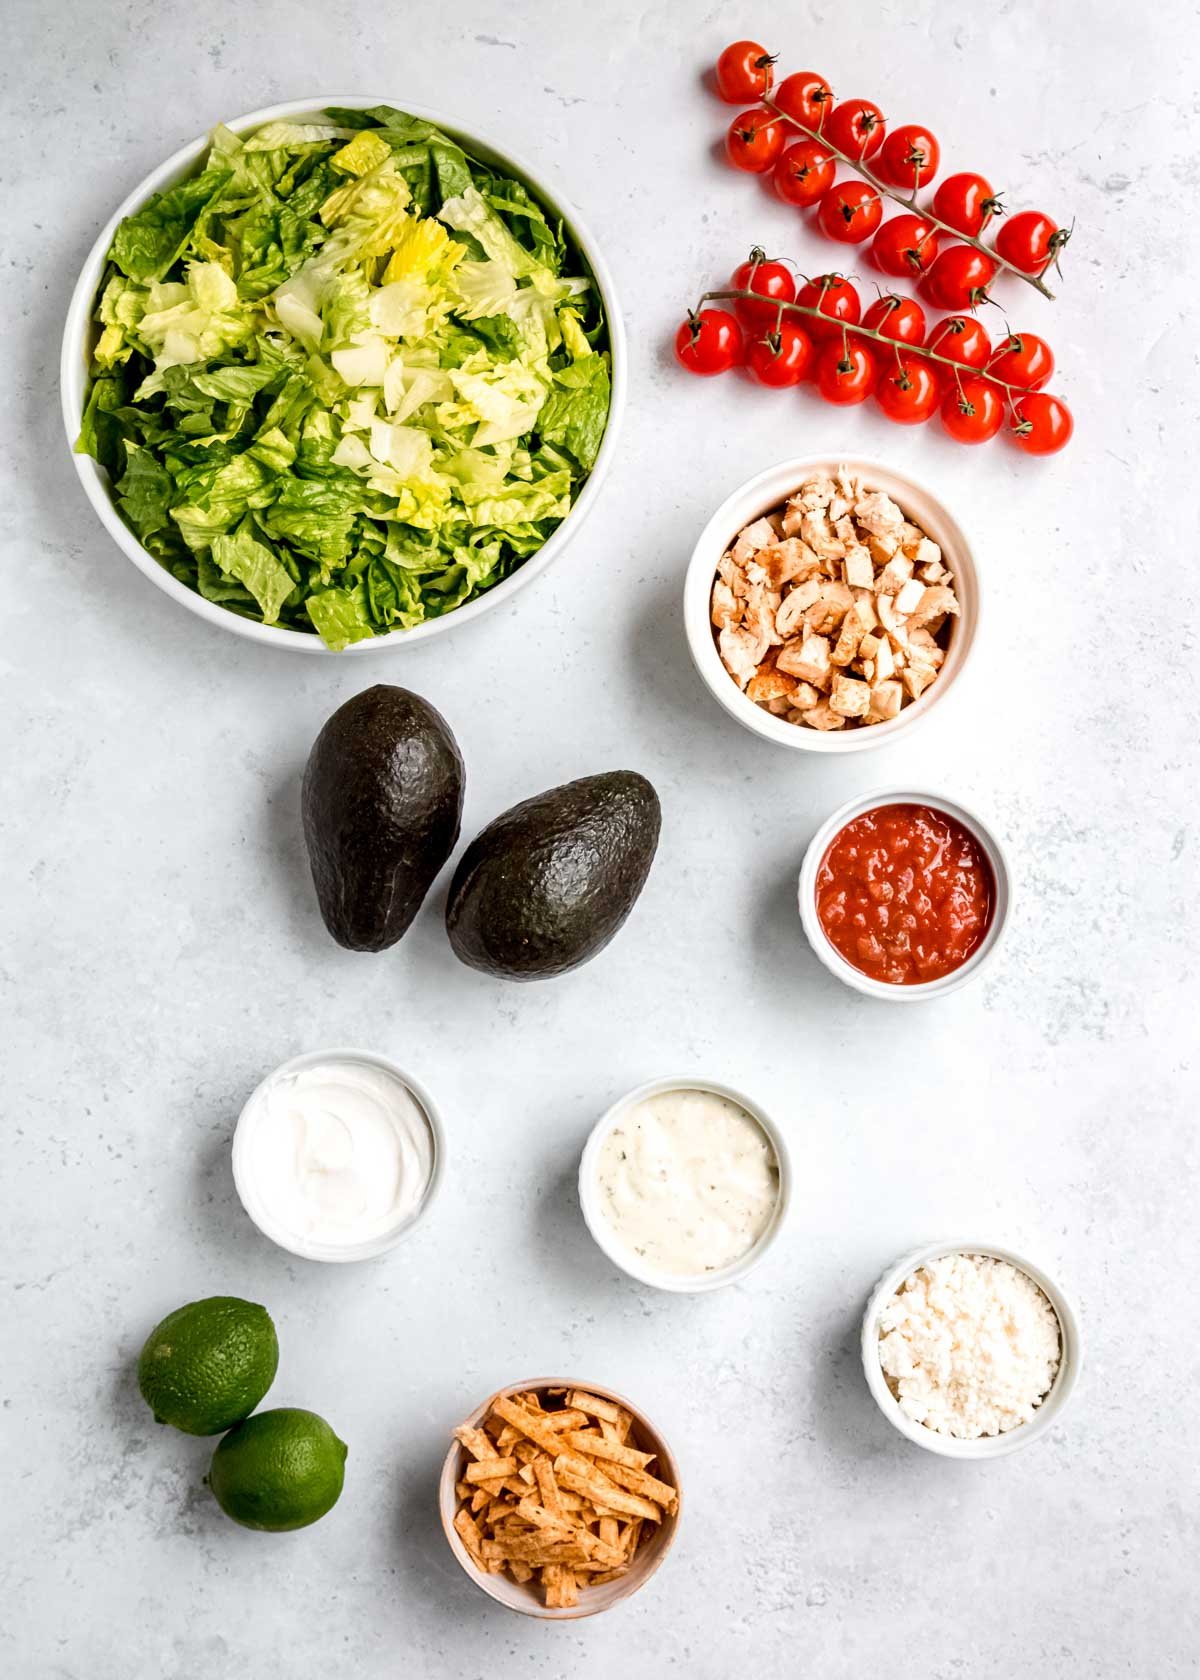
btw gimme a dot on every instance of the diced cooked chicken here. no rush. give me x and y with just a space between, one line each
833 602
726 609
829 610
761 534
878 513
850 698
809 660
742 652
886 700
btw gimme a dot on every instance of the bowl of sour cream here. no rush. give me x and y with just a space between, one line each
685 1184
338 1154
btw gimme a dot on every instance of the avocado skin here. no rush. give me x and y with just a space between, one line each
545 886
382 804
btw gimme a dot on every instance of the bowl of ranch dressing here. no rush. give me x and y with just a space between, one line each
337 1155
685 1183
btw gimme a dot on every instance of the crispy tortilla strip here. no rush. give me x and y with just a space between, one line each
595 1445
605 1495
543 1471
491 1469
609 1575
640 1481
468 1531
463 1490
610 1531
520 1572
480 1498
568 1592
551 1575
592 1404
530 1424
632 1535
534 1549
476 1442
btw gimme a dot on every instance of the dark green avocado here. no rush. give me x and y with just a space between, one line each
546 886
382 803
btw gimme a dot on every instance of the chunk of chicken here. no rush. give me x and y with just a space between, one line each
878 513
833 602
850 698
815 530
726 608
742 652
759 534
809 660
795 604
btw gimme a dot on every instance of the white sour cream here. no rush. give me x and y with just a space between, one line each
688 1181
338 1154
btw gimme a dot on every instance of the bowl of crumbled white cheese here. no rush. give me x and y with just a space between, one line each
969 1350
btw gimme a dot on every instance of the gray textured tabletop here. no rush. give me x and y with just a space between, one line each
162 948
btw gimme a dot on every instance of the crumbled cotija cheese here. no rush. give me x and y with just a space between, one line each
969 1346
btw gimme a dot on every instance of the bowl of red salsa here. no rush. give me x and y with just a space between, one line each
904 895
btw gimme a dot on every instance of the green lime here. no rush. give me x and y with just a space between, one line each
278 1470
208 1365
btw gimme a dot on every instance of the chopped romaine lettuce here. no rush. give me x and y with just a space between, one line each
347 377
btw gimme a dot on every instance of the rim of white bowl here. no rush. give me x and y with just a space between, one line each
331 1253
985 1446
606 1239
993 849
758 495
73 375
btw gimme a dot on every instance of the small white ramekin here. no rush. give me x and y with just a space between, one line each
607 1239
760 495
243 1178
986 1446
833 959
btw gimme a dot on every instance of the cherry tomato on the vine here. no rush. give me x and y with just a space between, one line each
781 357
1030 241
803 173
1042 424
744 72
972 409
805 96
754 141
959 277
966 202
908 393
856 127
908 158
896 317
709 342
850 212
833 296
905 246
961 339
771 281
846 371
1023 359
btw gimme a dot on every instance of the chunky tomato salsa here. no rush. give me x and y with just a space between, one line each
905 893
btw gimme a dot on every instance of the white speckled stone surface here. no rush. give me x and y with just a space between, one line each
162 948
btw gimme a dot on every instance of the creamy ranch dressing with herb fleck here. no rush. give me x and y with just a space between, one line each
688 1181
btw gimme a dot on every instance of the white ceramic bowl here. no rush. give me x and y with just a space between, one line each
243 1177
760 495
603 1232
987 1446
833 959
526 1599
79 338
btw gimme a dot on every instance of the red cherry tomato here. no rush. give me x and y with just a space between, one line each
833 296
972 410
1030 241
754 141
1042 424
850 212
781 357
896 317
961 339
744 72
806 97
803 173
908 158
1023 359
959 277
966 202
905 246
856 127
771 281
846 373
909 393
709 343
